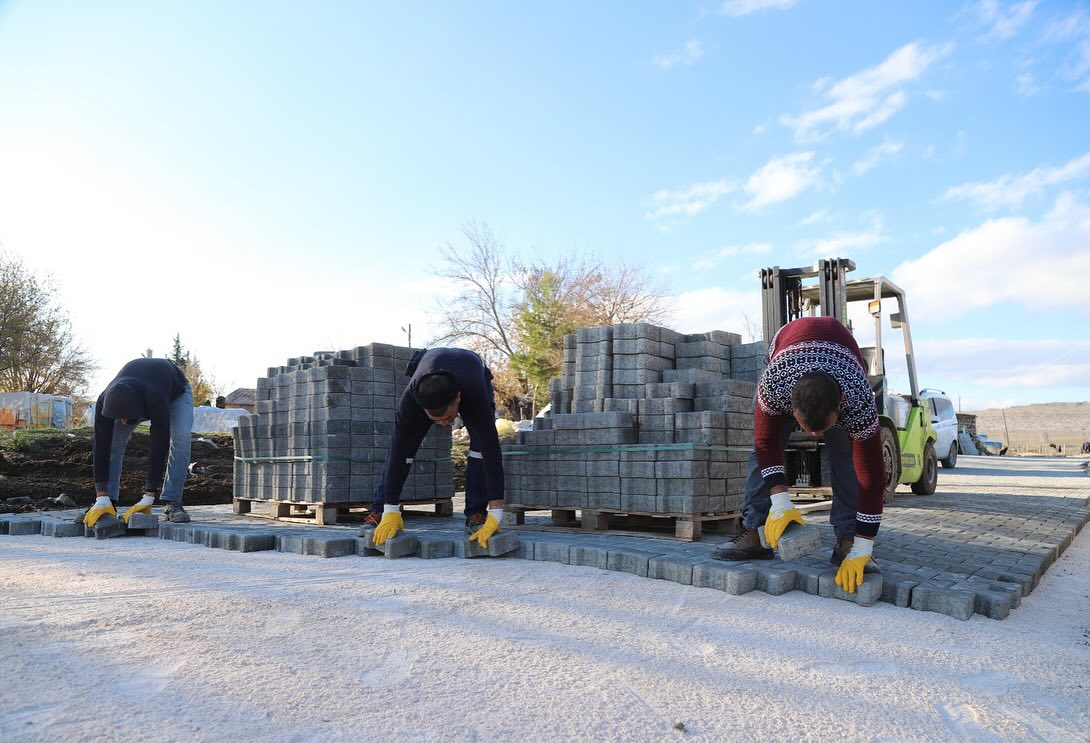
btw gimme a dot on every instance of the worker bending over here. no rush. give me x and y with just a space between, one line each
144 390
816 377
446 382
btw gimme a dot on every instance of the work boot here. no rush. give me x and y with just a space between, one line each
175 514
744 546
369 523
474 522
842 548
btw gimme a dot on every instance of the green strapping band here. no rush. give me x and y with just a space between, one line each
620 448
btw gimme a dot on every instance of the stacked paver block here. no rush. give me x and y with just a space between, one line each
322 428
643 419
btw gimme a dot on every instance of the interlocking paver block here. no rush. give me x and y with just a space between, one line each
865 594
433 549
808 576
775 579
552 552
402 544
678 570
24 526
590 556
500 544
144 522
954 602
108 527
734 578
629 561
58 528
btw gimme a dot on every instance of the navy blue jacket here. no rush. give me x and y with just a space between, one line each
477 409
148 386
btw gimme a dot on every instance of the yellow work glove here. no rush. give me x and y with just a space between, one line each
849 575
102 507
141 506
390 525
490 527
782 513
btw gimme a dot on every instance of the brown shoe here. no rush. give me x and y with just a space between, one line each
745 546
369 523
841 550
475 522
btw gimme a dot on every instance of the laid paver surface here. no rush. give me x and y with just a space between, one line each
978 545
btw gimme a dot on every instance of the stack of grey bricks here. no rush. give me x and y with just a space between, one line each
642 419
322 427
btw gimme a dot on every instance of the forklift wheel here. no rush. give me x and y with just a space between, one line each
892 462
930 477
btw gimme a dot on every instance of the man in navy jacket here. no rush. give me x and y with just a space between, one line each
152 390
446 382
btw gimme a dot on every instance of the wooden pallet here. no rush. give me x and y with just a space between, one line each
688 527
810 494
324 514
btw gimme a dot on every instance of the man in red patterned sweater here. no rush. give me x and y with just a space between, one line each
816 377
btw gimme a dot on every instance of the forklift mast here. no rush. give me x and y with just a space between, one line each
782 293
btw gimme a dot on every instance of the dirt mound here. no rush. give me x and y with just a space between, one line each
37 466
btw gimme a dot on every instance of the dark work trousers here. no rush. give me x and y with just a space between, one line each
476 492
838 449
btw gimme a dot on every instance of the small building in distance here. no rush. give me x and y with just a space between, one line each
243 397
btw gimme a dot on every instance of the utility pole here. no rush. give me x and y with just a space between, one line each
1006 431
408 330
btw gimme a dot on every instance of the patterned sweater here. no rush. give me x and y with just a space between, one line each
821 344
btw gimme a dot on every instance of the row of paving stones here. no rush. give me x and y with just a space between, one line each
954 556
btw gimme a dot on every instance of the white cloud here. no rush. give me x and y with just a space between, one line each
1002 363
702 310
1003 22
780 179
688 202
731 251
1012 191
1026 85
745 7
1041 266
844 243
1073 28
821 215
876 155
691 52
868 98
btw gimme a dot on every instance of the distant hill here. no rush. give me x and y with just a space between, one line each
1036 426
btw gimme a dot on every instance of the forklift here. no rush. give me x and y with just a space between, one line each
907 436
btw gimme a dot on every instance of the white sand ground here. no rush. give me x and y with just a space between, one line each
153 640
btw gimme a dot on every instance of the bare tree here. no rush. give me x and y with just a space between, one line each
38 352
480 315
754 331
515 313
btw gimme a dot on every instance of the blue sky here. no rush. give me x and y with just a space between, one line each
269 179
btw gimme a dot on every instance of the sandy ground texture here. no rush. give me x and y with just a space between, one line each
153 640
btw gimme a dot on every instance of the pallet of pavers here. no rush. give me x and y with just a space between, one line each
645 422
314 449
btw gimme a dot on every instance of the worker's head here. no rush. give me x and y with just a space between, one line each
123 401
816 402
438 394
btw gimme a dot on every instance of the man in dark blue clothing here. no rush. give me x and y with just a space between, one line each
446 382
154 390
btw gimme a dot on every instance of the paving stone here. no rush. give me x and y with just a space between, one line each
592 556
954 602
108 527
629 561
500 544
808 576
403 544
432 549
775 579
24 526
897 588
318 546
797 541
866 594
251 541
144 522
58 528
676 569
991 604
552 552
734 578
